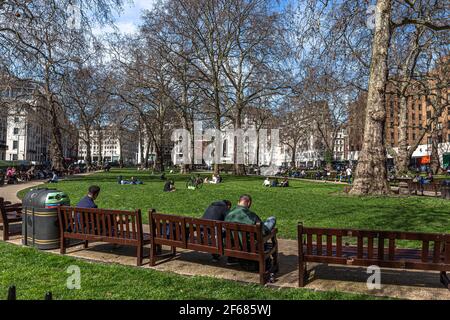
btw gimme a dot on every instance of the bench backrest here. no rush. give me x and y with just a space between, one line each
242 240
7 208
122 227
232 239
373 246
203 235
167 229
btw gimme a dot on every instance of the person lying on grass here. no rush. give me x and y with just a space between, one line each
132 181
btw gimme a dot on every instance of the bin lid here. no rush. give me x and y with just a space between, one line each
45 198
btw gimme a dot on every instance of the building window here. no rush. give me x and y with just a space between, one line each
15 145
429 140
16 119
15 158
428 114
16 131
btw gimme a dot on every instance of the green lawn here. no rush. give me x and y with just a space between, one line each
314 204
34 273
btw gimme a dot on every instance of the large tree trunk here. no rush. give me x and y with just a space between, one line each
257 149
100 146
402 159
141 146
293 156
147 153
88 158
56 151
434 159
238 167
371 173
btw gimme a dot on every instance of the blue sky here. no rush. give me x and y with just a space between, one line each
130 17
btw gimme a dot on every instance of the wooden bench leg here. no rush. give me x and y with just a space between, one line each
153 255
445 280
139 254
174 251
5 231
86 244
62 245
262 271
302 272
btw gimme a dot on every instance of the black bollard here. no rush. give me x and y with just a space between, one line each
12 293
48 296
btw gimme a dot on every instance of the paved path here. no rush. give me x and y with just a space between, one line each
9 191
395 283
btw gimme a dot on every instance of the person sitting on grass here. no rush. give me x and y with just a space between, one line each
266 182
54 178
214 179
169 186
285 183
242 214
217 211
275 183
163 176
88 200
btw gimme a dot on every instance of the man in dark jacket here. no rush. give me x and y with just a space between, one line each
217 211
88 201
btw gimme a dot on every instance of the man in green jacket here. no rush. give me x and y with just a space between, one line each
242 214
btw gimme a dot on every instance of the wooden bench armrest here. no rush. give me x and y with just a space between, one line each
271 235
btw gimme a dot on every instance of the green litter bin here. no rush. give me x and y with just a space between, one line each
40 227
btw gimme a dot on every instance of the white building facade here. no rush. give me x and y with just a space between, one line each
109 145
28 138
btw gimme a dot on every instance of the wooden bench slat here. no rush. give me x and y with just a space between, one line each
425 248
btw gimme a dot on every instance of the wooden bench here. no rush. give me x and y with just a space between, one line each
10 213
415 187
215 237
324 245
102 225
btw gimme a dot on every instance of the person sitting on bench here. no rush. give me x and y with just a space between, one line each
169 186
88 200
242 214
217 211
